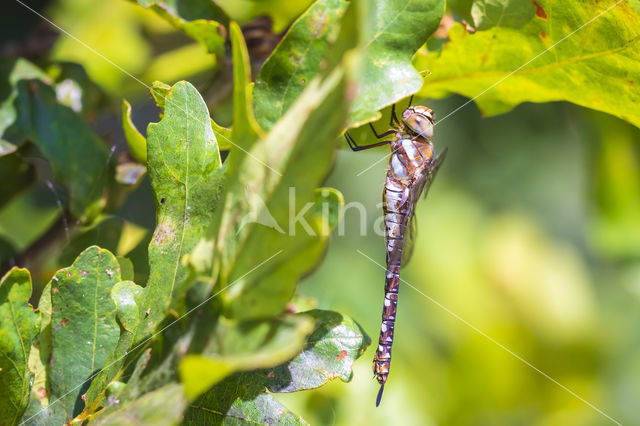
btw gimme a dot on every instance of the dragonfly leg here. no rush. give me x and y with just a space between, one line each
383 135
356 147
393 122
410 101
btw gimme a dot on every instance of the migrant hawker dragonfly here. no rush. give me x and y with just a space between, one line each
411 170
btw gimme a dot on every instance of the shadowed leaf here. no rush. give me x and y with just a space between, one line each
197 19
296 60
20 326
164 406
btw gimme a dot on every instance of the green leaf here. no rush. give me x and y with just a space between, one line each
126 295
281 13
84 330
593 65
159 91
78 157
37 412
20 173
245 128
137 143
296 60
236 346
501 13
185 172
197 19
109 232
20 326
164 406
258 295
184 169
27 216
329 353
234 402
336 342
393 33
11 72
257 184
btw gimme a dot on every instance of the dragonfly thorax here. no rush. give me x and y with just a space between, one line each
419 121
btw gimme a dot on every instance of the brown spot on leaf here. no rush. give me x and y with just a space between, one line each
544 36
540 12
319 22
42 393
64 322
54 289
164 231
341 355
446 23
271 374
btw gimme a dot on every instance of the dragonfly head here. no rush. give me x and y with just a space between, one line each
419 120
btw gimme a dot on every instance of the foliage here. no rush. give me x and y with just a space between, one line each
196 317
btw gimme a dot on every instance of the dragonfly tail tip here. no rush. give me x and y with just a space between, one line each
379 398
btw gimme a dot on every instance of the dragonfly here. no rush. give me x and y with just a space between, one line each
412 167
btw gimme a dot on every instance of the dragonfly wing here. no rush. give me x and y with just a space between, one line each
423 184
430 173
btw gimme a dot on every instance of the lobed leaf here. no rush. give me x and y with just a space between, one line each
20 326
185 172
586 54
83 325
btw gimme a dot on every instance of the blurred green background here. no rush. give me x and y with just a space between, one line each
529 240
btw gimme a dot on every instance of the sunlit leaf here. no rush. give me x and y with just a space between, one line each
83 325
137 143
184 168
591 61
20 325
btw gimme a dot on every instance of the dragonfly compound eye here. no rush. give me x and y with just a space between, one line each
419 123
